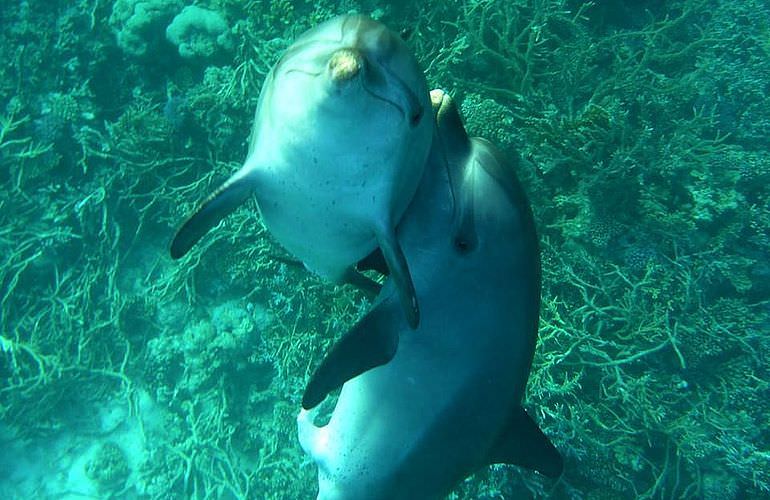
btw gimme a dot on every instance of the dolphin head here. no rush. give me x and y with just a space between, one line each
357 59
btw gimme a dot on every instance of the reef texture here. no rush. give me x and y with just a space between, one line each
643 132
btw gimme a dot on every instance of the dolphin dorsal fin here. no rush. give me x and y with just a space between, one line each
522 443
399 272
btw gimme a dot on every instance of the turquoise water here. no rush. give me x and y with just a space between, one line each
643 128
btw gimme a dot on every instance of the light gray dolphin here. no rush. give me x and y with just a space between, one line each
449 400
341 134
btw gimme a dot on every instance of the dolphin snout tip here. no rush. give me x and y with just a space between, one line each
344 65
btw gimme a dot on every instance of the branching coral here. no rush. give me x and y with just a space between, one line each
645 169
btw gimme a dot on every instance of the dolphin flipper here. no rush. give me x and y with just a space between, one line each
368 286
216 207
522 443
373 262
371 343
399 271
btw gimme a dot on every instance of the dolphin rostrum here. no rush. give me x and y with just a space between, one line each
449 400
341 134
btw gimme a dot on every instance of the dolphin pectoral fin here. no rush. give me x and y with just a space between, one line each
399 272
371 343
307 429
522 443
368 286
216 207
373 262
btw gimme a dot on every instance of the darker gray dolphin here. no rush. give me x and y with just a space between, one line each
445 399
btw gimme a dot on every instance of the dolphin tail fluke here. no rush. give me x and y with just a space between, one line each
216 207
522 443
371 343
399 272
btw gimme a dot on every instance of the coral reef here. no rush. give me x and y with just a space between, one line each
642 130
140 25
109 468
199 33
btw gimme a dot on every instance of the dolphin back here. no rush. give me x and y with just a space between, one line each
448 402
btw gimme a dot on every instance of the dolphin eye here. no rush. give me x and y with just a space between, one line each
415 118
462 245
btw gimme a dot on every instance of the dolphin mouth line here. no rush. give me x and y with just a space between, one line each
403 99
385 100
304 72
410 108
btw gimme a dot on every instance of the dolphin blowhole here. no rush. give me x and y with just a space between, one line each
345 64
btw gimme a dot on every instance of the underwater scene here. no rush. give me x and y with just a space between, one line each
639 131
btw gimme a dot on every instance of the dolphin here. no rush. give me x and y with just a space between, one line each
341 134
449 400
